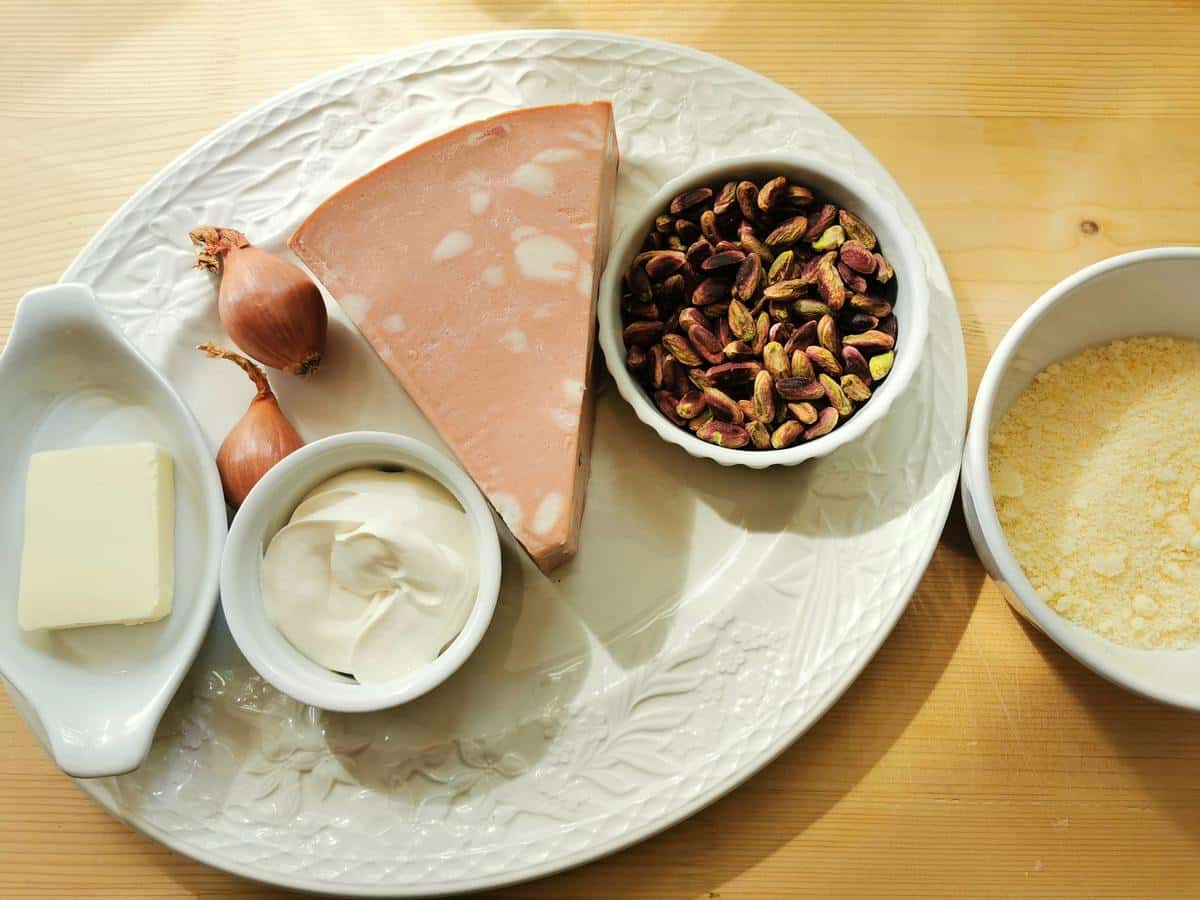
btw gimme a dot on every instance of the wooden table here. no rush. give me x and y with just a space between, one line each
972 758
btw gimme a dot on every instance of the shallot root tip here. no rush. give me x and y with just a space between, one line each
309 365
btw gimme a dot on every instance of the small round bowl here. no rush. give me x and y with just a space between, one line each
842 188
268 508
1137 294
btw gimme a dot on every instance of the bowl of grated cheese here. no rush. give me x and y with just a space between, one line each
1081 470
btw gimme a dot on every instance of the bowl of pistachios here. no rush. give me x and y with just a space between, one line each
763 310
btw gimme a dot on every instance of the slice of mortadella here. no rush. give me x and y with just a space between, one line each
471 265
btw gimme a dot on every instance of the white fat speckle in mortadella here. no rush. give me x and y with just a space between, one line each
479 202
573 389
356 306
563 419
548 513
587 136
583 281
515 213
547 258
556 155
455 243
535 179
515 340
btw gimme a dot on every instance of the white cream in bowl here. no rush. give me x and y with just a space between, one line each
373 575
380 602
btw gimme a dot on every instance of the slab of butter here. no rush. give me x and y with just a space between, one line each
99 537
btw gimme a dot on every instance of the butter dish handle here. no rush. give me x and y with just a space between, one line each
98 749
51 309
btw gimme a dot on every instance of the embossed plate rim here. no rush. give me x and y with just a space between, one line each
721 786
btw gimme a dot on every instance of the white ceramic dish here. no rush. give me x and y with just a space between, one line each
1141 293
69 378
841 187
267 509
713 613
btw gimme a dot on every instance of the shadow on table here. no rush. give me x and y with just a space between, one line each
1157 743
698 856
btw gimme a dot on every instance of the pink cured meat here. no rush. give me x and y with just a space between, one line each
471 265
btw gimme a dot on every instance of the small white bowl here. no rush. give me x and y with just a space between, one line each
267 509
840 187
1142 293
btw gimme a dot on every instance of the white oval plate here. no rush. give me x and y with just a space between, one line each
713 614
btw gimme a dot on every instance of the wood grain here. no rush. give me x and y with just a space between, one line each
972 758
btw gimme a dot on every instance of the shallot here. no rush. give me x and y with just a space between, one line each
271 309
261 438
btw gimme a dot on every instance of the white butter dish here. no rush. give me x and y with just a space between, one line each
69 378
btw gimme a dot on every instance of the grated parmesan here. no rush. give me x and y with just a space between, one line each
1096 475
